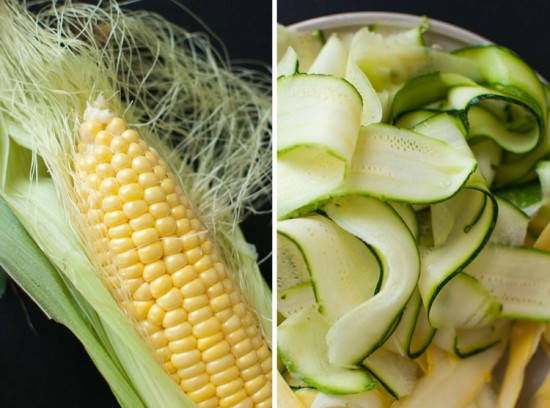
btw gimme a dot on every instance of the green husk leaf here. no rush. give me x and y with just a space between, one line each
30 268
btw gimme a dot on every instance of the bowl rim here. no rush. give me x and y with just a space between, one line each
344 20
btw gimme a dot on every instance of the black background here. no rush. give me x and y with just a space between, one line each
41 364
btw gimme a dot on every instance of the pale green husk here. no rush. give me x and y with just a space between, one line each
210 122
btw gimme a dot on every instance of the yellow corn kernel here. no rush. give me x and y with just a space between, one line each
126 176
134 271
182 344
130 192
147 180
148 328
88 131
220 302
173 317
251 372
132 285
172 246
120 245
141 222
158 341
159 171
263 393
190 241
143 293
163 353
170 369
216 290
152 155
215 352
150 253
166 226
193 255
170 300
243 347
233 399
224 315
130 135
104 170
102 154
178 331
267 366
135 150
141 309
119 145
88 164
184 276
153 270
179 212
145 236
193 288
203 393
114 218
168 185
206 248
121 231
103 137
183 226
209 276
229 388
160 286
111 203
247 360
192 371
205 264
211 402
195 382
225 376
154 194
175 262
160 210
204 343
207 327
191 304
245 403
237 336
156 315
254 385
116 126
142 164
166 272
220 364
121 161
186 358
134 209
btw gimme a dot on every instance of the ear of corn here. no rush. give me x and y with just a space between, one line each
165 270
109 215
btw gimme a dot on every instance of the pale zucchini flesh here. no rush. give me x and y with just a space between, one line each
359 332
307 358
442 138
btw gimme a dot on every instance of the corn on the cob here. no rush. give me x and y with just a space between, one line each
165 270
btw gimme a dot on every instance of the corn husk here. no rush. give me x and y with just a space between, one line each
211 123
